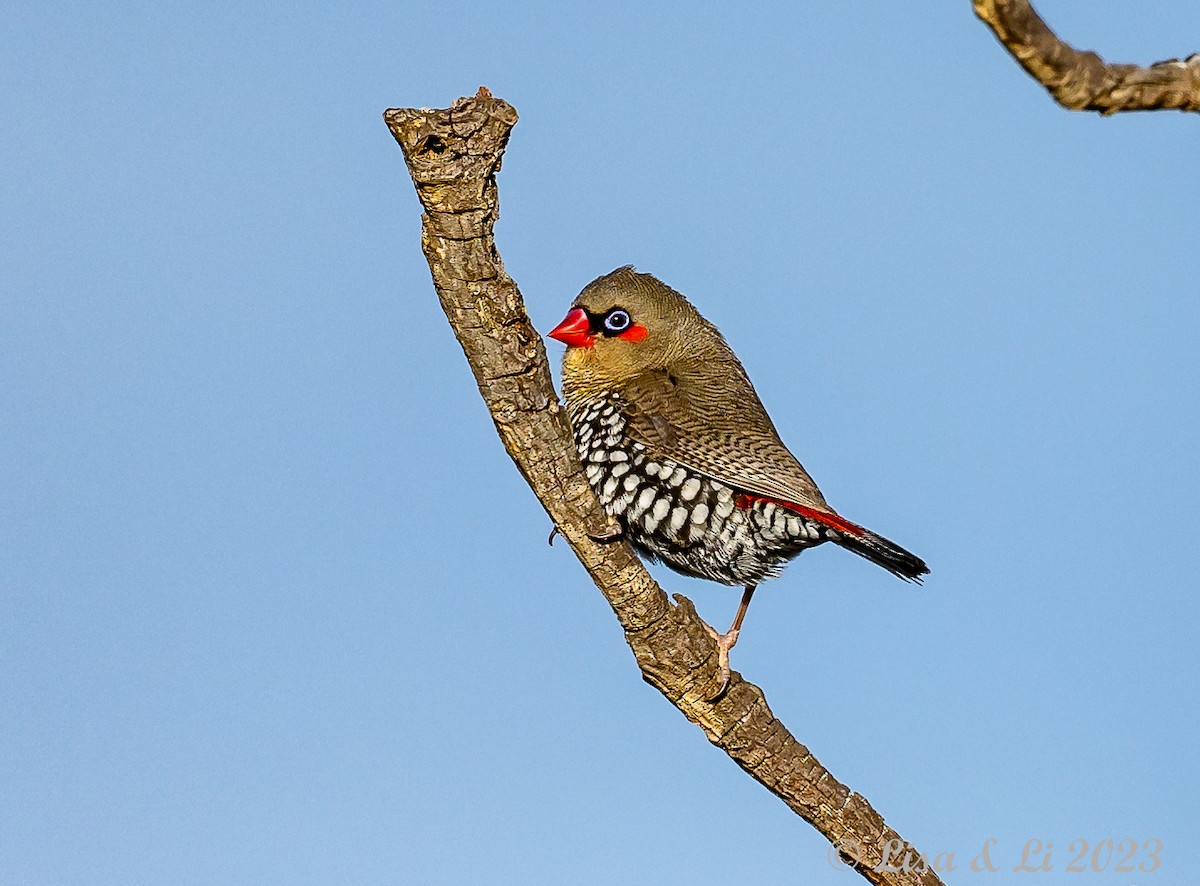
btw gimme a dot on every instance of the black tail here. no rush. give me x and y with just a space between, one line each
887 554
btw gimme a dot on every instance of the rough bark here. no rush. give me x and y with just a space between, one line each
453 156
1082 81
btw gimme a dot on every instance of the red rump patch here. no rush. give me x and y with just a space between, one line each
833 521
636 332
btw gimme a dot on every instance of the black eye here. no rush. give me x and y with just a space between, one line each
617 320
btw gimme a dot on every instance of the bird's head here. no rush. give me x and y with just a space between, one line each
625 323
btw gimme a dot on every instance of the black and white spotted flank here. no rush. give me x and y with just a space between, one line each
695 524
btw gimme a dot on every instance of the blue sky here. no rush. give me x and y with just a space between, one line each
276 608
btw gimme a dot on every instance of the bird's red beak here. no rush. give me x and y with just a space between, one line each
575 330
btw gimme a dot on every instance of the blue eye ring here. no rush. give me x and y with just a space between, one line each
617 320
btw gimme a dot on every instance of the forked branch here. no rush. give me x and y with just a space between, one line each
453 156
1082 81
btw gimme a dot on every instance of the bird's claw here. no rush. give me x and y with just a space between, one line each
611 532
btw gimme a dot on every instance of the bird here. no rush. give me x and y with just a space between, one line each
681 451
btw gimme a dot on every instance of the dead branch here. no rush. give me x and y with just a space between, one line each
1082 81
453 156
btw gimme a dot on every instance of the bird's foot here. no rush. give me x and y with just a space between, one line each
725 642
611 532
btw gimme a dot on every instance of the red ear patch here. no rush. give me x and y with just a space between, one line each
635 332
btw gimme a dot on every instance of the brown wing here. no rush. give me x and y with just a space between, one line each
708 417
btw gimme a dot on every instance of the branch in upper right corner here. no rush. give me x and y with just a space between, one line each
1082 81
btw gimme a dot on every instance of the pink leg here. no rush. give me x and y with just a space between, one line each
728 640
